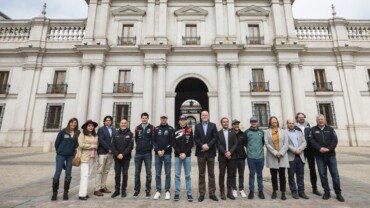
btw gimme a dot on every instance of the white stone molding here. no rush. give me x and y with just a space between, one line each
253 11
191 10
128 11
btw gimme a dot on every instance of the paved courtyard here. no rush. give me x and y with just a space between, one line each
25 181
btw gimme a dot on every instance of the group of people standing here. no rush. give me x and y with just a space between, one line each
286 149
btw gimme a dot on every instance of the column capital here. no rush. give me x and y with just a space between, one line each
221 64
162 65
100 65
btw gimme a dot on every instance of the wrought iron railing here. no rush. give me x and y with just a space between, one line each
126 40
255 40
123 87
191 40
57 89
4 89
322 86
259 86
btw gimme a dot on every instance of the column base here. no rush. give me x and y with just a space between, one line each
18 138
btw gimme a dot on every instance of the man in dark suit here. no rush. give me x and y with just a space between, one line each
105 159
227 144
205 137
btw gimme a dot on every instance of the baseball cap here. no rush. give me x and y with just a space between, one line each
235 121
163 115
183 117
253 118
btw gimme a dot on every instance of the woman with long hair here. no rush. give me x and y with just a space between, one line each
88 144
65 146
276 141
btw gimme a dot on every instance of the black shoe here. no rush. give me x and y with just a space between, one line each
201 198
303 195
223 197
283 197
250 195
115 194
273 195
326 196
66 189
136 194
230 196
123 195
176 198
261 195
190 198
316 192
147 193
213 197
82 198
295 196
87 196
65 196
340 198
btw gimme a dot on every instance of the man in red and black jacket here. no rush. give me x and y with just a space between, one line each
182 144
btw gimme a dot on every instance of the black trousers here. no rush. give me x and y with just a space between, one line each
224 166
121 167
282 180
310 157
239 167
296 169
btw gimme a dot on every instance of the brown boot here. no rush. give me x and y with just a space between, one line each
105 190
98 193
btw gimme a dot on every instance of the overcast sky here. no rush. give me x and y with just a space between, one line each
68 9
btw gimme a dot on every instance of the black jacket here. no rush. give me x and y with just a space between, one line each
221 144
104 139
183 141
144 139
306 133
162 139
240 150
122 143
200 138
64 144
323 138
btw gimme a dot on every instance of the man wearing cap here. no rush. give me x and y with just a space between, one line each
254 144
205 137
162 141
240 156
182 144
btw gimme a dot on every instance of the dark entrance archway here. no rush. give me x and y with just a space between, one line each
187 89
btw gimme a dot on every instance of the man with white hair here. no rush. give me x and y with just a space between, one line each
324 140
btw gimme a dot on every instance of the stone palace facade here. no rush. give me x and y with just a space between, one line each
235 58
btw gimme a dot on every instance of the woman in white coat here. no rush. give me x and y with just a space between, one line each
276 141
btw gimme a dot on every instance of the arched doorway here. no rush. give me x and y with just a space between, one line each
187 91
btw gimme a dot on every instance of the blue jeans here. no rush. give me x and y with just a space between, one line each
296 167
255 166
323 163
187 168
159 161
59 167
139 159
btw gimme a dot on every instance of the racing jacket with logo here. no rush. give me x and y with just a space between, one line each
183 141
162 139
323 138
144 139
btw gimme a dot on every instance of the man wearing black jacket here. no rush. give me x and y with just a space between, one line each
182 144
162 142
323 140
205 137
122 145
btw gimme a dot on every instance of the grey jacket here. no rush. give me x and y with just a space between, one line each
271 160
302 146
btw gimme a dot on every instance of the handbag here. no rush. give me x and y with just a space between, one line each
77 159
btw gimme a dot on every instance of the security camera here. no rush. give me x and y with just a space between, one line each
234 42
221 42
161 43
283 42
346 45
98 43
30 45
148 43
295 42
84 43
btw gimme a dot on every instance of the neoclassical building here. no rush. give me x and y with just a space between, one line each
235 58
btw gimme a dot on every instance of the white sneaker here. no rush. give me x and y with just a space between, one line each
168 196
235 194
157 196
242 193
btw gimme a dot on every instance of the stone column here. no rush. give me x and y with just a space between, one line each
91 16
286 94
162 27
235 92
219 20
96 87
148 87
222 91
278 20
150 18
231 19
289 21
298 94
161 92
83 94
101 22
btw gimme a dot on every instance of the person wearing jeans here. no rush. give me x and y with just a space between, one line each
182 144
254 142
162 141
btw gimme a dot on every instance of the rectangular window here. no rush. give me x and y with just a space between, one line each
124 84
59 85
262 111
4 75
128 35
327 109
121 111
191 37
2 109
124 76
254 36
258 83
53 117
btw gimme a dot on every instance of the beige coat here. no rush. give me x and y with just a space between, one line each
292 149
271 159
84 144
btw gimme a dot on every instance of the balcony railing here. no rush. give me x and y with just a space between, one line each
126 40
16 32
259 86
123 87
312 30
57 89
255 40
5 89
191 40
322 86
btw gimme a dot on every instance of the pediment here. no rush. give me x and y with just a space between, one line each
253 11
128 11
191 10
